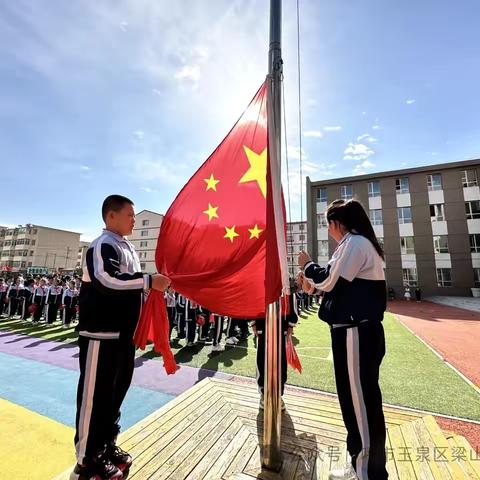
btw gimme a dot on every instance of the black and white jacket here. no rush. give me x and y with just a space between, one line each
111 294
353 283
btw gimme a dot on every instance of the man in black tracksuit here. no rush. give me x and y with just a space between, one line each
109 307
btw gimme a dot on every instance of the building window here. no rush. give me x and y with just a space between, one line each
290 238
472 210
289 228
33 242
322 194
434 182
404 215
346 192
29 264
437 213
374 189
475 243
469 178
476 277
142 265
376 217
145 223
302 238
323 248
407 245
290 249
402 185
322 220
440 244
301 226
444 277
144 233
143 243
409 277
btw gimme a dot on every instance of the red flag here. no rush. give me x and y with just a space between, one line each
292 357
215 236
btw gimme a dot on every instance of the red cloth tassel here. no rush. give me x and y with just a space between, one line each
153 327
292 357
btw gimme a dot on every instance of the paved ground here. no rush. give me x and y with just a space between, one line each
467 303
453 332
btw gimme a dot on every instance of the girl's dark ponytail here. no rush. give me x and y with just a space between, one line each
353 216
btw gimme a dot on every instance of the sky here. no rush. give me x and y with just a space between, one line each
131 96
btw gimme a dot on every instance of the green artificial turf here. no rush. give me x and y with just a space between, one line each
411 375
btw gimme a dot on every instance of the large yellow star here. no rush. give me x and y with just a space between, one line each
230 233
211 212
211 183
255 232
258 169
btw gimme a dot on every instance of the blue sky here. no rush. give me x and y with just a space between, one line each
130 96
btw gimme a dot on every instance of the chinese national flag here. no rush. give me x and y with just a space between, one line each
214 238
219 239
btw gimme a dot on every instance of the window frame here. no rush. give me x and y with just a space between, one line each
320 197
410 282
405 250
469 183
436 217
372 193
475 244
441 281
403 218
440 249
343 194
431 185
374 221
398 185
469 211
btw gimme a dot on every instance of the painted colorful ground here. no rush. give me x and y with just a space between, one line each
38 376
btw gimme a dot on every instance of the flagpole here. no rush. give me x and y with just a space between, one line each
271 454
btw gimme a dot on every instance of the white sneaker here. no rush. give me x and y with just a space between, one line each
345 473
231 341
218 348
190 344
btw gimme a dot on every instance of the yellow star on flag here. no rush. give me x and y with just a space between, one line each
230 233
211 183
255 232
258 169
211 212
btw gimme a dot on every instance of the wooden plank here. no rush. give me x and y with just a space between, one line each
202 448
443 447
153 440
421 468
403 465
241 458
463 458
472 455
176 452
426 443
215 452
187 397
227 456
390 465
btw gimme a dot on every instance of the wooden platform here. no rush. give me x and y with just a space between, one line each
213 431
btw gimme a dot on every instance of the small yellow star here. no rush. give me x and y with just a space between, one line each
211 212
255 232
258 169
230 233
211 183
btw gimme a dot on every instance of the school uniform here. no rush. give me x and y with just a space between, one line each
203 330
288 321
217 329
27 301
14 295
353 304
39 296
110 301
171 302
3 297
53 301
191 320
180 313
69 302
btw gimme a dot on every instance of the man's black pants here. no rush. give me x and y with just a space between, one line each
357 355
106 370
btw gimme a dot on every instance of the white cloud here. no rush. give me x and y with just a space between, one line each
332 129
294 153
313 133
361 168
410 101
433 154
189 73
364 113
375 127
367 138
147 189
124 25
140 134
85 168
156 91
357 152
311 102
